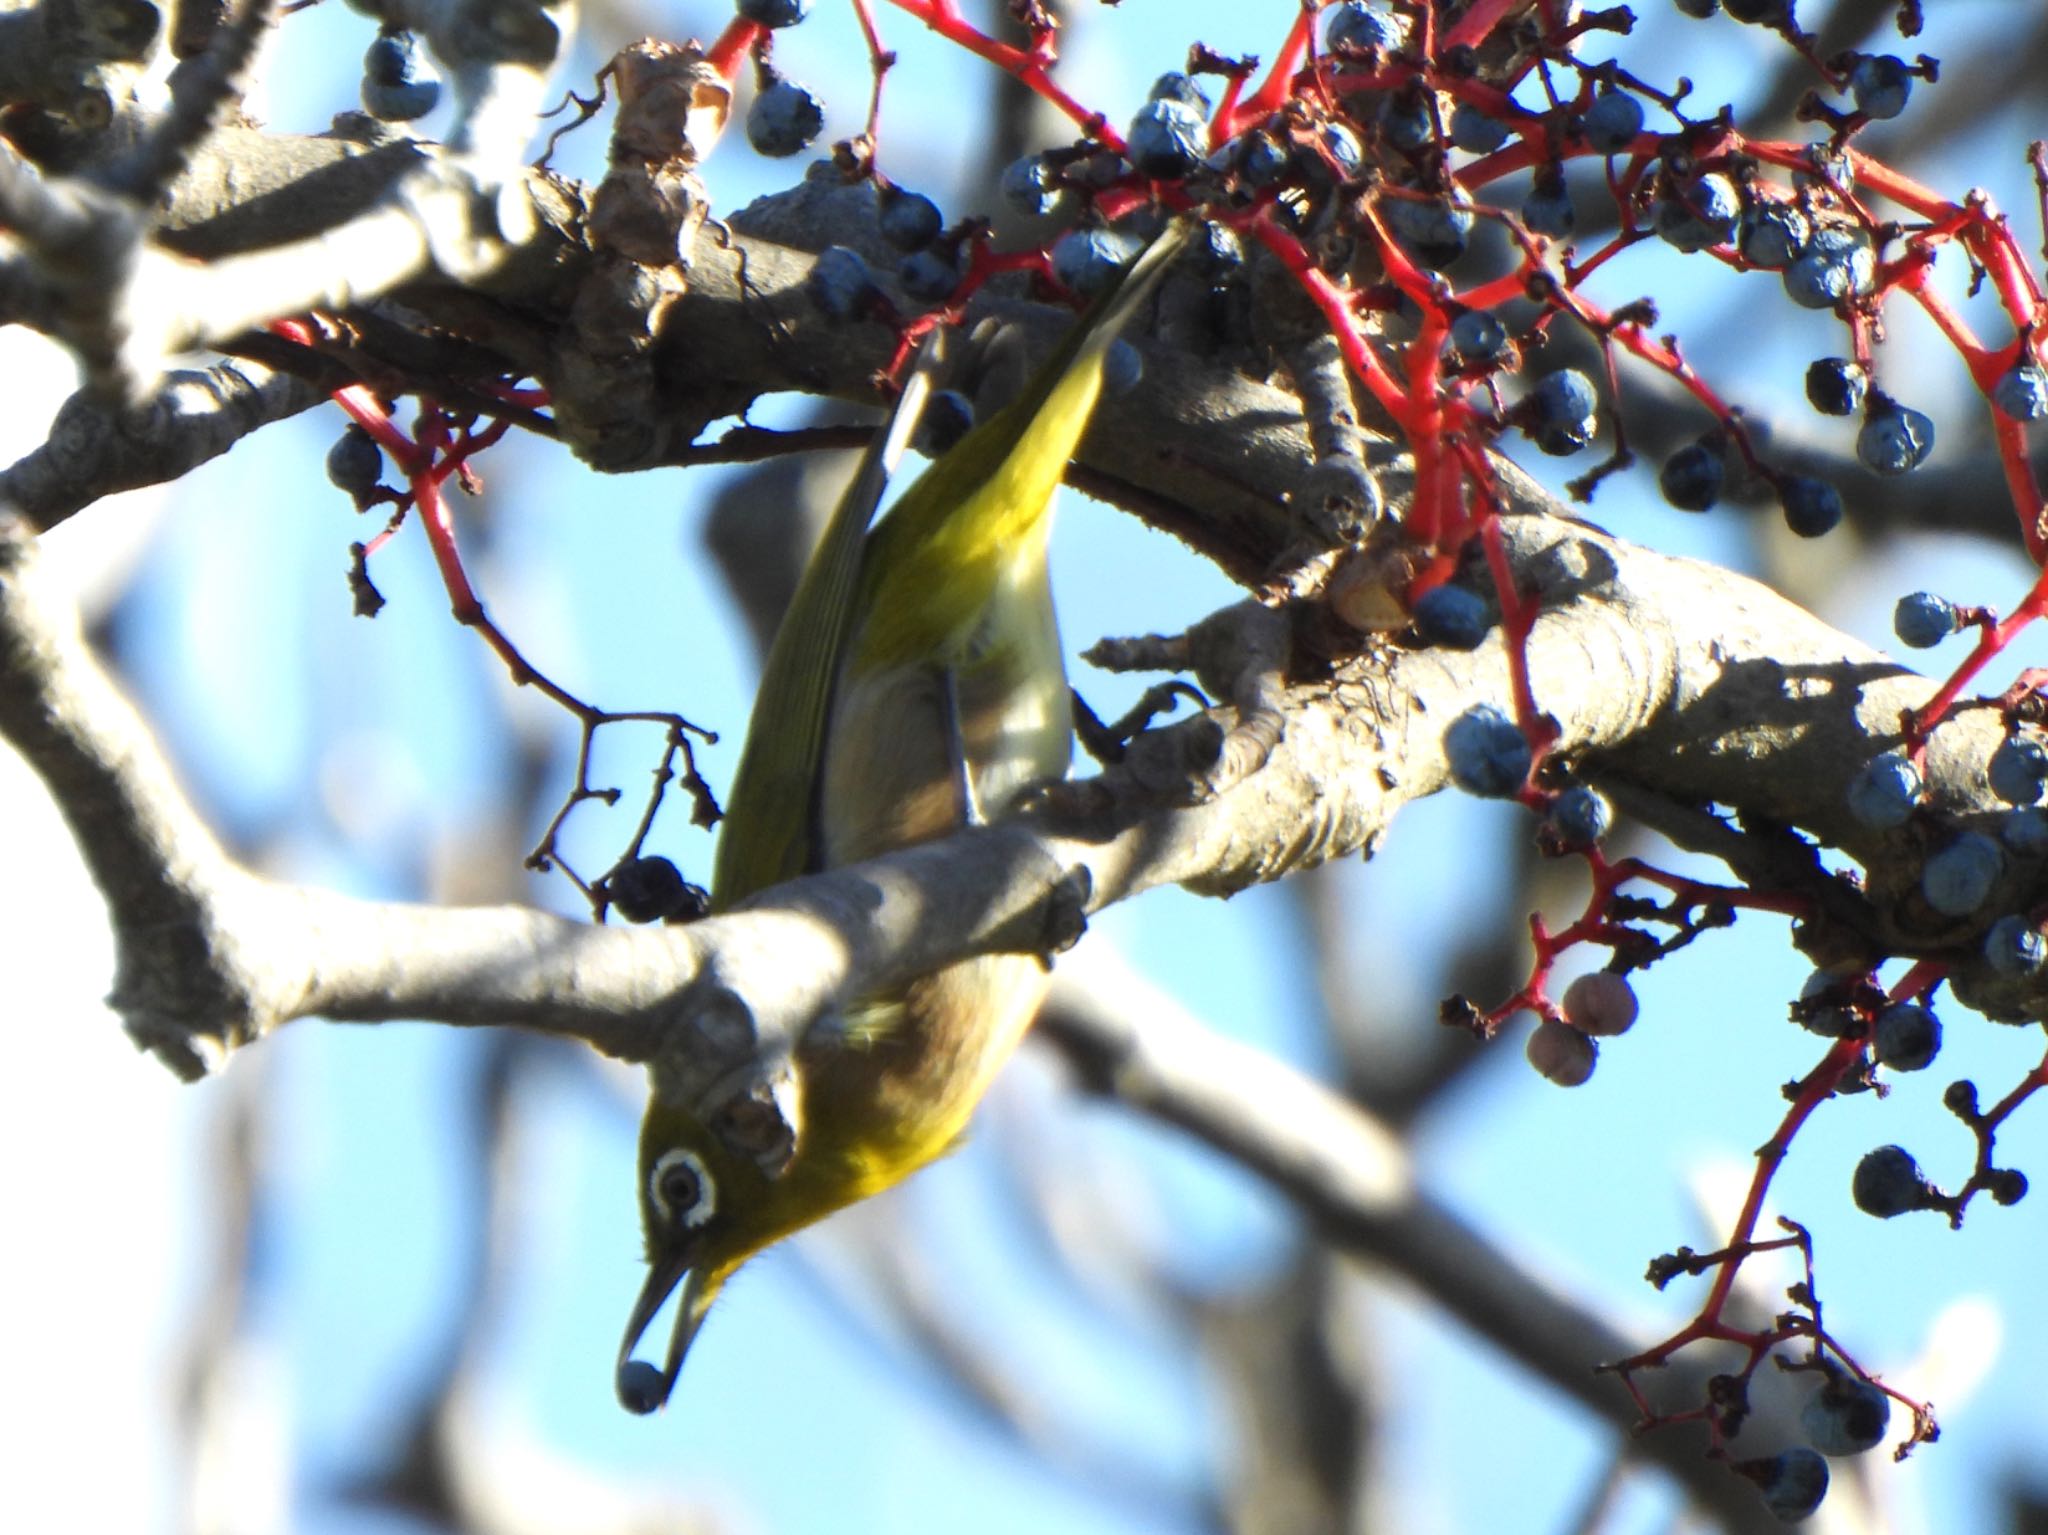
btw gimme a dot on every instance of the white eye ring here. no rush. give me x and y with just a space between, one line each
695 1212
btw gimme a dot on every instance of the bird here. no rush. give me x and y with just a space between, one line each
915 686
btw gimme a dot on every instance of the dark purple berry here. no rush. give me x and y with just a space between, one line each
1793 1482
840 284
1175 86
1772 234
1474 132
1923 620
1433 232
399 81
1477 336
909 220
948 417
1888 1182
1906 1037
1027 185
1452 616
1835 386
1839 263
1894 439
2023 393
784 120
1489 756
1089 260
1166 139
1691 478
1959 878
1847 1416
1356 26
1581 816
355 463
1811 506
2018 768
1612 121
1880 85
1547 210
1884 791
1699 214
2013 947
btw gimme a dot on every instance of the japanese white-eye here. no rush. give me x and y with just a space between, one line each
915 685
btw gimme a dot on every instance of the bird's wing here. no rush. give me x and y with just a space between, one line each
770 814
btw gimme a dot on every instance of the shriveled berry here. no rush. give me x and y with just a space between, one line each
1341 156
1580 816
773 13
1612 121
1562 1054
649 889
1895 439
1959 878
1839 263
1263 160
1489 756
1477 336
1922 620
1166 139
1884 791
1601 1003
948 417
2013 947
909 220
1793 1482
1880 85
1452 616
1811 505
1089 260
1406 121
1175 86
1474 132
399 80
784 120
1835 386
1691 478
1888 1182
1823 1006
1906 1037
1772 234
2018 768
1358 26
1028 186
355 463
2023 393
839 283
1698 214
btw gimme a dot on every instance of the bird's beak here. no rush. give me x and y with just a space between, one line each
641 1387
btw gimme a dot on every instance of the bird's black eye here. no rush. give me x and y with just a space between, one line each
681 1188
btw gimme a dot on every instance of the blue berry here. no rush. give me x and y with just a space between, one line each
1407 121
2017 769
1027 185
1691 478
2023 393
839 283
1476 133
930 274
1357 26
1880 84
1884 791
1823 1006
1922 620
1433 232
948 417
1600 1003
1811 506
355 463
1959 878
1452 616
1547 210
1894 439
1342 155
1907 1037
1263 160
2013 947
1612 121
1581 816
909 220
1089 260
1835 386
1166 139
1123 365
1888 1182
1793 1482
1699 214
1839 263
1175 86
774 13
1772 234
399 81
642 1387
1566 398
1488 755
1477 336
2025 832
784 120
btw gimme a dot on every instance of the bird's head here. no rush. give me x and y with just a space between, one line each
705 1208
